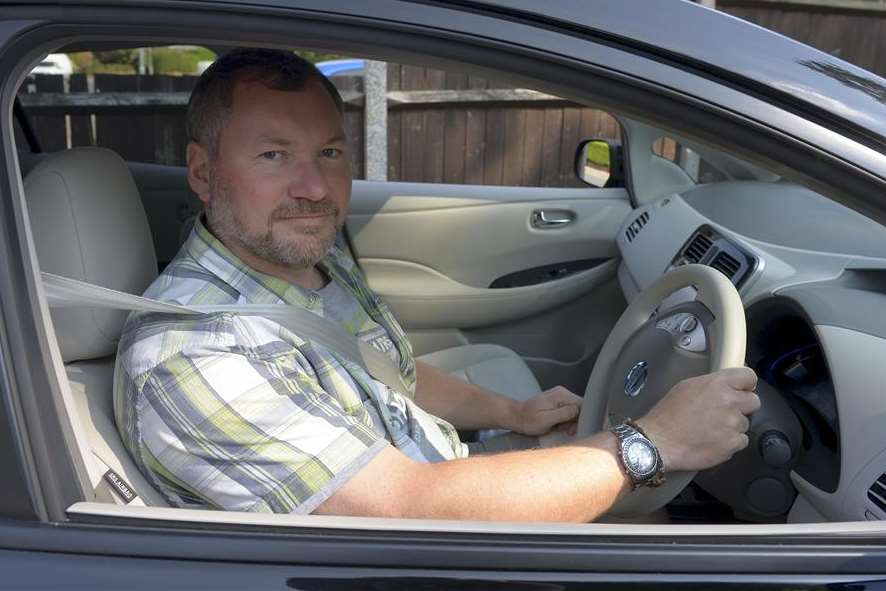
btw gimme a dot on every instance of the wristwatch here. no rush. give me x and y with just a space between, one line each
638 455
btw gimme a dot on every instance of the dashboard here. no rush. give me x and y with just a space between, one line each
812 276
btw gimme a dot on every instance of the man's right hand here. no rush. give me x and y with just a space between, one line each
703 421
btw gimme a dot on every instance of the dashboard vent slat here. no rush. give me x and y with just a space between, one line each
877 493
726 264
879 502
697 248
636 226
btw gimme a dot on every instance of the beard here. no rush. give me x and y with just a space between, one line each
295 247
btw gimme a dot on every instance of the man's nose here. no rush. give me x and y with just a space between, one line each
308 181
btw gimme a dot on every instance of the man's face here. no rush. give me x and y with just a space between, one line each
280 182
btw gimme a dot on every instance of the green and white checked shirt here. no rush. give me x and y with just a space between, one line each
238 413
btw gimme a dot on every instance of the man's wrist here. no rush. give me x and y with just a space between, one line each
651 431
510 414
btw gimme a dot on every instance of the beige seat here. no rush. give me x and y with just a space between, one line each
493 367
89 224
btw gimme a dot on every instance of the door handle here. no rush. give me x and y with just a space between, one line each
551 218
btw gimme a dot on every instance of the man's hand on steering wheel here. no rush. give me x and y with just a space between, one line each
556 408
702 421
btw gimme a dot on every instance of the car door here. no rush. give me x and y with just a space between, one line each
481 232
532 269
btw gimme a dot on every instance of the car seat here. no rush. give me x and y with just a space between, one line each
88 223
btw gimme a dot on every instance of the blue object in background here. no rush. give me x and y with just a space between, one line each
345 67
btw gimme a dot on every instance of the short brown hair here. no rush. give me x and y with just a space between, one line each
212 97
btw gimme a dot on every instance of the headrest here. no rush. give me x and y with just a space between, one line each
88 223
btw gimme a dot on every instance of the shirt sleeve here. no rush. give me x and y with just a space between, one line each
252 429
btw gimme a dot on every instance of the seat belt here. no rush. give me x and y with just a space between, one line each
64 292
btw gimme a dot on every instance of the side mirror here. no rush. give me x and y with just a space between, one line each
600 163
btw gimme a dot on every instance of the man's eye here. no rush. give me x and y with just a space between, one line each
271 155
332 152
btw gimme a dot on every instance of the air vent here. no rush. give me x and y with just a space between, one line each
697 248
726 264
636 226
877 493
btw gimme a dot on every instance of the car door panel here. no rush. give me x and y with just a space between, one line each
434 251
423 298
474 235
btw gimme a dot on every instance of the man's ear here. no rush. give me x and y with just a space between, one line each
198 170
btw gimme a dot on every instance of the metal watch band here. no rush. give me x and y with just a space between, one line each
622 432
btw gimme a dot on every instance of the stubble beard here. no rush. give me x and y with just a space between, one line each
300 251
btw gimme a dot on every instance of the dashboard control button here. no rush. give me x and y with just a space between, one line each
685 341
689 324
775 449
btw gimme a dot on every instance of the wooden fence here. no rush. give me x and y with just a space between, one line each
442 127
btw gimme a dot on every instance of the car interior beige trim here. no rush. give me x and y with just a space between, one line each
423 298
448 240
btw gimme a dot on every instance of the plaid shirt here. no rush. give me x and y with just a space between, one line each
236 412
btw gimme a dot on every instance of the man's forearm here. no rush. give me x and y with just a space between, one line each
573 483
464 405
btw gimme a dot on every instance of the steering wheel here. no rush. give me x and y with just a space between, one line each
647 353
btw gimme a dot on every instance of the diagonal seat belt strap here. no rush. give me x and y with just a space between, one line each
64 292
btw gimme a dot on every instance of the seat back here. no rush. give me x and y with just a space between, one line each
88 223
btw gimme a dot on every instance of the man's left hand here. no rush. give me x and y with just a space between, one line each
556 408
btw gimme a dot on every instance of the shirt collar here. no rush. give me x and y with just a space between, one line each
254 286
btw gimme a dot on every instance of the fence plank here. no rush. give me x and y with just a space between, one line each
120 131
413 128
434 130
515 121
551 158
493 173
81 125
475 137
533 135
455 145
570 138
49 128
455 132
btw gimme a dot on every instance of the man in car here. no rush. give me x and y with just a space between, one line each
239 413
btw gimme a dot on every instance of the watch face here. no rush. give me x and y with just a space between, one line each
640 456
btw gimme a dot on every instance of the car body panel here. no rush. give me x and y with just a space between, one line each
89 548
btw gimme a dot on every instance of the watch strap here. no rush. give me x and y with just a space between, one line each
626 429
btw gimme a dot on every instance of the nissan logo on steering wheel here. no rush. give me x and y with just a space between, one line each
636 379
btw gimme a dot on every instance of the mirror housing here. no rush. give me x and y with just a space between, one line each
600 163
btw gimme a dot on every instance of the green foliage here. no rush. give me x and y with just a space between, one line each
174 60
597 154
118 56
83 60
316 56
166 60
